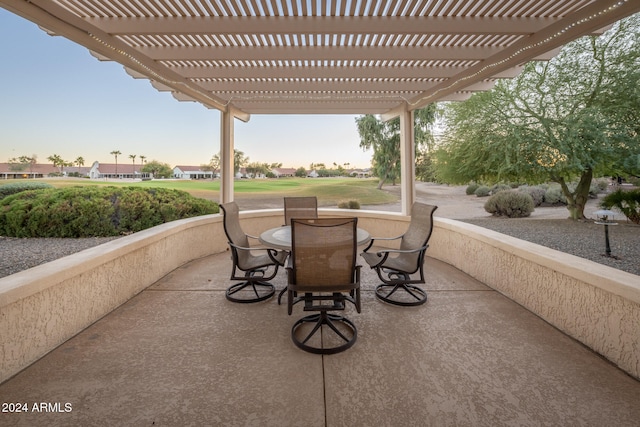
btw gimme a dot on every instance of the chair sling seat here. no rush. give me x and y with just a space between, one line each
255 267
298 207
397 268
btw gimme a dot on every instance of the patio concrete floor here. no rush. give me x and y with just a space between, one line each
180 354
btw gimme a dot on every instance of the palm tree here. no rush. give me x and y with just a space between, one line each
142 158
116 153
79 161
57 161
133 160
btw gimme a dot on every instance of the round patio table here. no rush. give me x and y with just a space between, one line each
280 237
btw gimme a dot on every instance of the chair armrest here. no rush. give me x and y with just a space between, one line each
401 251
273 253
380 238
384 254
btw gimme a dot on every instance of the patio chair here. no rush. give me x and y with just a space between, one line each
300 207
323 274
397 267
254 266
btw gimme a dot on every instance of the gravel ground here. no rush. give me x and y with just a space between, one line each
546 226
581 238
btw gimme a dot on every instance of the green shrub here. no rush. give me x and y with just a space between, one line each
482 191
500 187
512 204
602 184
350 204
537 194
18 187
627 202
95 211
553 196
471 188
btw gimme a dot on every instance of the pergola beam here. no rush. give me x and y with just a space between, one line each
256 25
318 53
345 72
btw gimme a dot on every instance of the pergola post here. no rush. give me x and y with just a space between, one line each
227 150
407 156
407 161
226 156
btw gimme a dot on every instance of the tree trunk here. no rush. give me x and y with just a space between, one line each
577 200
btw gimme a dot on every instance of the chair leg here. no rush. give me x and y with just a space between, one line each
347 337
282 292
250 291
408 295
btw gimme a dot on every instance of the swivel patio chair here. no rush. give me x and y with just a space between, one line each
397 268
323 274
254 266
300 207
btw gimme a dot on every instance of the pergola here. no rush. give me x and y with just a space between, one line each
386 57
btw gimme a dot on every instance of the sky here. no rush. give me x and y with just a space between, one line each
56 98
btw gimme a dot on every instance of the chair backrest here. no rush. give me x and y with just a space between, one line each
323 252
300 207
234 232
420 228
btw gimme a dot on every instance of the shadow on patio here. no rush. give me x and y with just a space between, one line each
180 354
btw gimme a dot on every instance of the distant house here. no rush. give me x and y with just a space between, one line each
360 173
312 174
120 171
283 172
80 171
192 172
23 171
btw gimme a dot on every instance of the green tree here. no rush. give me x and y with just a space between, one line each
79 161
301 172
116 153
21 163
384 139
212 166
239 161
158 169
257 168
565 120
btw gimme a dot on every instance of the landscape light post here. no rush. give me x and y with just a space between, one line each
603 219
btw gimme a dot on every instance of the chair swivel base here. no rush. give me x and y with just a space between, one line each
401 294
345 338
250 291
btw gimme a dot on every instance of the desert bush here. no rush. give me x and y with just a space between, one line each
349 204
537 194
500 187
482 191
17 187
471 188
95 211
602 184
554 196
627 202
512 204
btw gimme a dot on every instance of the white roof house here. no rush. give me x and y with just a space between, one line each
192 172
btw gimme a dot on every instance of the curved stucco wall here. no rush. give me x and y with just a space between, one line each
42 307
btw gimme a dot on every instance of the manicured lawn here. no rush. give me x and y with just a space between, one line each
328 190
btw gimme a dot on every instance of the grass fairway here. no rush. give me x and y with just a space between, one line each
329 191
